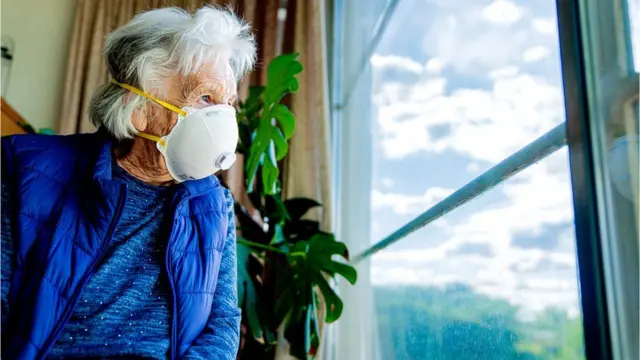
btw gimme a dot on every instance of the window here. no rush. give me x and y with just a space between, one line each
434 104
496 278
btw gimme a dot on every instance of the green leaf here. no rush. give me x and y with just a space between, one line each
268 136
276 211
256 152
346 271
251 107
281 77
27 127
283 305
247 295
270 173
245 137
298 207
46 131
278 235
333 303
301 229
286 119
313 331
295 332
282 147
324 245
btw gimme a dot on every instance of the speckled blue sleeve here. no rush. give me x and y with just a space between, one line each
220 338
8 260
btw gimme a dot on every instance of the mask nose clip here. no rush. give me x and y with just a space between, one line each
225 161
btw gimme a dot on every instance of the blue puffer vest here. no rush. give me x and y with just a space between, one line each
67 208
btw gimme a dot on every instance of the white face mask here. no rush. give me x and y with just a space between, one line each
202 142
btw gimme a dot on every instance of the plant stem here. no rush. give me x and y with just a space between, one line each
258 245
298 253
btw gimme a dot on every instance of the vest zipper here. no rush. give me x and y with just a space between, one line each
174 341
71 305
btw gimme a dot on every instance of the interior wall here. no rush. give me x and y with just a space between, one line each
41 30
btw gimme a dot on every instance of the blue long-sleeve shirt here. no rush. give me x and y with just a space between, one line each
124 312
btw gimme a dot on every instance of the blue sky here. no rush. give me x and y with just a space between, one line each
457 87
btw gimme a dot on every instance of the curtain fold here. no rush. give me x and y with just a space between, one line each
307 169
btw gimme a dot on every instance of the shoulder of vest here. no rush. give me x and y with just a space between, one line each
51 154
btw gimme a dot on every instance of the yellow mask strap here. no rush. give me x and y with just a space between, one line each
152 138
144 94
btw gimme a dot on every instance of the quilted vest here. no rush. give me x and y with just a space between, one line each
67 207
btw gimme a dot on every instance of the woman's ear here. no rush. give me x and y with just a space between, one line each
139 120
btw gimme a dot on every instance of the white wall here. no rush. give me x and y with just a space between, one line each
41 30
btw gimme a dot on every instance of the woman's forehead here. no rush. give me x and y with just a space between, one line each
217 78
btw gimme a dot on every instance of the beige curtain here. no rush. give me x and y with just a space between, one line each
307 168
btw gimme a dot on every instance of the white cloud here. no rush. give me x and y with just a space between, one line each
507 71
536 53
473 167
466 44
544 26
387 182
403 204
396 62
435 65
484 124
375 227
501 12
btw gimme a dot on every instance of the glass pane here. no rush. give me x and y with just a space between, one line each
456 90
633 11
612 90
493 282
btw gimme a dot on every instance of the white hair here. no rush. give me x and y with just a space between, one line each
161 43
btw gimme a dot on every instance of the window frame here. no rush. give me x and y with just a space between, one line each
595 319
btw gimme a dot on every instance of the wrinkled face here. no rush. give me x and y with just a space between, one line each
213 84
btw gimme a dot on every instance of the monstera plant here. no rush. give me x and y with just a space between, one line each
285 261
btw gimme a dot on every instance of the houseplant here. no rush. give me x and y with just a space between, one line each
285 261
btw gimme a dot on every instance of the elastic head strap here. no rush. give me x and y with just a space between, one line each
152 138
144 94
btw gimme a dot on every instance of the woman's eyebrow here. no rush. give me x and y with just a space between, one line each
217 89
189 85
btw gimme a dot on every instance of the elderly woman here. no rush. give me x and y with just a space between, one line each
120 244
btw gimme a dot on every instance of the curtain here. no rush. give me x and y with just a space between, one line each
307 168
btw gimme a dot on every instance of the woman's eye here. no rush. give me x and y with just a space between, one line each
206 99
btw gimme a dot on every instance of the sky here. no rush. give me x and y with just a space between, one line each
456 90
